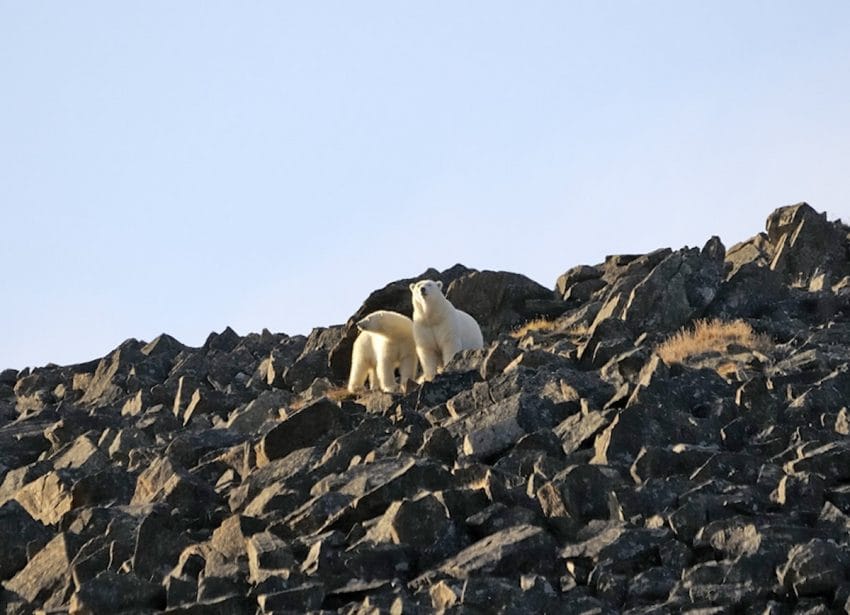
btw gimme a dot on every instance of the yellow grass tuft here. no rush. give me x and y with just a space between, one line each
547 326
711 336
338 393
335 394
538 324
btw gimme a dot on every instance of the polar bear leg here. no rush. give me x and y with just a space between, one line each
372 377
429 360
407 370
450 349
360 372
386 375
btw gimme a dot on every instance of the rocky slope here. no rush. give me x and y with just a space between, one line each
564 470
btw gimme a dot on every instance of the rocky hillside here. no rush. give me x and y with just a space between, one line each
565 468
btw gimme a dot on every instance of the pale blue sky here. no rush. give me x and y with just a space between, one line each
184 166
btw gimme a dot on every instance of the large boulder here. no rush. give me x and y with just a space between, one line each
500 301
677 290
805 243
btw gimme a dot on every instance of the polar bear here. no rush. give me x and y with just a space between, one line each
384 344
439 329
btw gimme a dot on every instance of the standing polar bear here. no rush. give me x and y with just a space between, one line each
384 344
439 329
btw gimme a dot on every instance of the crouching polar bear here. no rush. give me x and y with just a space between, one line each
439 328
384 344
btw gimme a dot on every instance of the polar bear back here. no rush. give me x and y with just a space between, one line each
385 343
389 324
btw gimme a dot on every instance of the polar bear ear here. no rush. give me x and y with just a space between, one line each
439 285
412 286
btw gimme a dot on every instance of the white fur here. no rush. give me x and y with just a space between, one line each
440 329
384 344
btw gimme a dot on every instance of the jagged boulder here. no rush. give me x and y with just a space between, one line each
806 243
500 301
677 290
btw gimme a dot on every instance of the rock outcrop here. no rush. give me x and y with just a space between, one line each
563 468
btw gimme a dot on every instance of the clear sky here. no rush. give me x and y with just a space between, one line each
181 166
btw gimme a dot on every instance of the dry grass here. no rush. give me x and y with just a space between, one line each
539 324
543 325
335 394
708 336
338 393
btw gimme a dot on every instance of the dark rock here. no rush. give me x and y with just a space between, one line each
576 275
420 523
679 405
314 360
677 289
384 487
23 440
817 567
164 481
651 585
194 400
21 535
805 243
306 597
494 429
110 592
372 562
578 429
227 605
497 358
832 461
302 428
189 448
46 579
159 539
267 555
280 358
589 492
756 252
48 497
254 416
225 341
608 338
230 582
516 550
500 301
8 377
439 444
662 462
371 432
442 388
497 517
735 297
803 491
123 372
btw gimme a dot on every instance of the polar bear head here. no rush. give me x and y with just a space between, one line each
427 296
387 323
